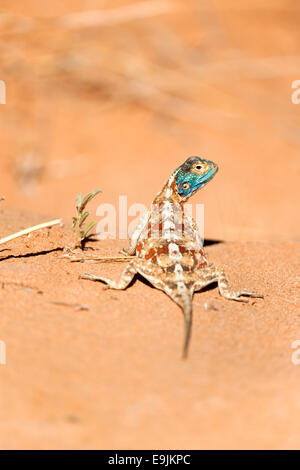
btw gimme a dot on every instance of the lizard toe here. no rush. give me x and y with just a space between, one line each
252 294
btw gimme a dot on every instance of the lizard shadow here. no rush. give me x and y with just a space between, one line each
207 242
139 277
212 241
30 255
211 286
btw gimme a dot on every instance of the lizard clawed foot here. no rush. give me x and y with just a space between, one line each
127 253
127 276
247 293
130 252
237 295
92 277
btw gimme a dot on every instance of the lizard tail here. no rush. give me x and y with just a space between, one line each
187 311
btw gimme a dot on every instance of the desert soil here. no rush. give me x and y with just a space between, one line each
94 368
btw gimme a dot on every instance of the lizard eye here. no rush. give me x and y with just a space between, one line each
198 167
185 185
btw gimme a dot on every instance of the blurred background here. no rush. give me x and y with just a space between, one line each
117 94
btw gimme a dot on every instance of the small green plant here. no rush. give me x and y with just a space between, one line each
79 229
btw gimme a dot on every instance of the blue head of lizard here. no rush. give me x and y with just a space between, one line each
192 175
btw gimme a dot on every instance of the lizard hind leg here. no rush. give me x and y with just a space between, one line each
124 281
234 295
131 250
212 274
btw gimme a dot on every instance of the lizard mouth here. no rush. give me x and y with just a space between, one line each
207 177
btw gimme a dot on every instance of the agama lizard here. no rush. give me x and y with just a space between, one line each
168 248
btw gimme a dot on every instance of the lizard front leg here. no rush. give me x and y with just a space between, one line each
125 279
130 251
212 274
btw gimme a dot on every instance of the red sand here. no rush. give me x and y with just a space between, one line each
111 376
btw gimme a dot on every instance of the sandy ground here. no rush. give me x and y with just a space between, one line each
110 376
118 108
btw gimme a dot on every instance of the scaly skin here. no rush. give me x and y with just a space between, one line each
167 246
